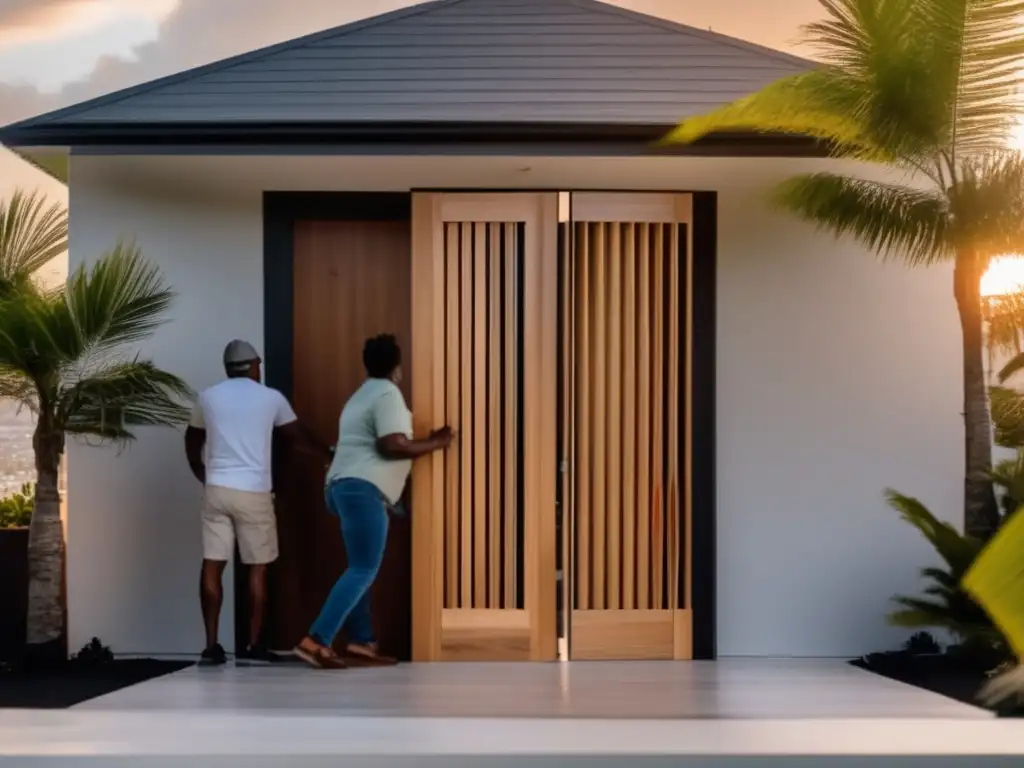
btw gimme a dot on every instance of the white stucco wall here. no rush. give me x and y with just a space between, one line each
134 544
837 377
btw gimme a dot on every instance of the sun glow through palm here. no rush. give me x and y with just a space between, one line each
1005 275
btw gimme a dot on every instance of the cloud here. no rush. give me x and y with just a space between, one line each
32 13
24 22
195 33
201 31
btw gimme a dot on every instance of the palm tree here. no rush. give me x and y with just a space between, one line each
929 89
62 355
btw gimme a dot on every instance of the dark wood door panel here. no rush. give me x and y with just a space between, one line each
351 281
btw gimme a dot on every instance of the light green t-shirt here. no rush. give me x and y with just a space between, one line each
376 409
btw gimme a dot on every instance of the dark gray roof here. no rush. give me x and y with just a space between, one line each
460 61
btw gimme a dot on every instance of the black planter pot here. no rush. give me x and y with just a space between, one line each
13 592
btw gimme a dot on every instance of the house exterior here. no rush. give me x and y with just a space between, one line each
677 406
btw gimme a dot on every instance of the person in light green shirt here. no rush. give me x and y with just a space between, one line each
371 464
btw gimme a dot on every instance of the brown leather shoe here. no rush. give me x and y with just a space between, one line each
366 656
319 656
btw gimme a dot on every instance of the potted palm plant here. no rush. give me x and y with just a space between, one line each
66 355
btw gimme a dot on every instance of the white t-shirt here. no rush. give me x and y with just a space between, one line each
375 410
239 416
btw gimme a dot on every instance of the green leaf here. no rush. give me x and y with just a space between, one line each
956 549
816 104
976 67
1005 317
32 233
889 219
986 205
119 396
944 578
1008 416
120 299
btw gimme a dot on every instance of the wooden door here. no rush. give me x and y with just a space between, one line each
625 435
485 362
351 281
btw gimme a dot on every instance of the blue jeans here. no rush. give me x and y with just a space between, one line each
359 506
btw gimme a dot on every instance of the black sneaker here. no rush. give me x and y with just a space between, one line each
256 655
213 657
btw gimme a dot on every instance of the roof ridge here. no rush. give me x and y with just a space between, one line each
602 6
233 61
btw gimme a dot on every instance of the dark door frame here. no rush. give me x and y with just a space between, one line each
281 210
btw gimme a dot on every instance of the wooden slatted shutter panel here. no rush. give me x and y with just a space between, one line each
484 302
627 393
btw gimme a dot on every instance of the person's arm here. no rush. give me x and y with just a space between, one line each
399 446
195 439
295 434
302 440
393 424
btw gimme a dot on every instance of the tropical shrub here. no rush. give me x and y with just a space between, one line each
16 509
944 605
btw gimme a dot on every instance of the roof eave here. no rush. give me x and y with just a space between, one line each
630 138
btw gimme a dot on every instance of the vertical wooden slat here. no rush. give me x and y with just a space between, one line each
672 408
511 551
494 447
569 421
657 414
613 419
466 408
453 413
427 388
479 416
643 420
628 412
599 376
687 426
583 418
540 354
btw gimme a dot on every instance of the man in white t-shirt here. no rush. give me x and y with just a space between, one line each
235 420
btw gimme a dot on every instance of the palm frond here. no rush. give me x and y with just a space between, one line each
31 343
120 299
32 233
16 386
818 105
986 205
884 50
120 396
956 549
1004 316
1012 367
891 220
1008 416
978 59
944 578
936 79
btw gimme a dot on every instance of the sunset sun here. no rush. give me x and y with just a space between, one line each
1004 275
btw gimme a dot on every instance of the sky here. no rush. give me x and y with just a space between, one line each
58 52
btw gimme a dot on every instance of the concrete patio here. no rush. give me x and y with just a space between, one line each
725 713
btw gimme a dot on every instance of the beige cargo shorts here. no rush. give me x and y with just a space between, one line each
247 515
